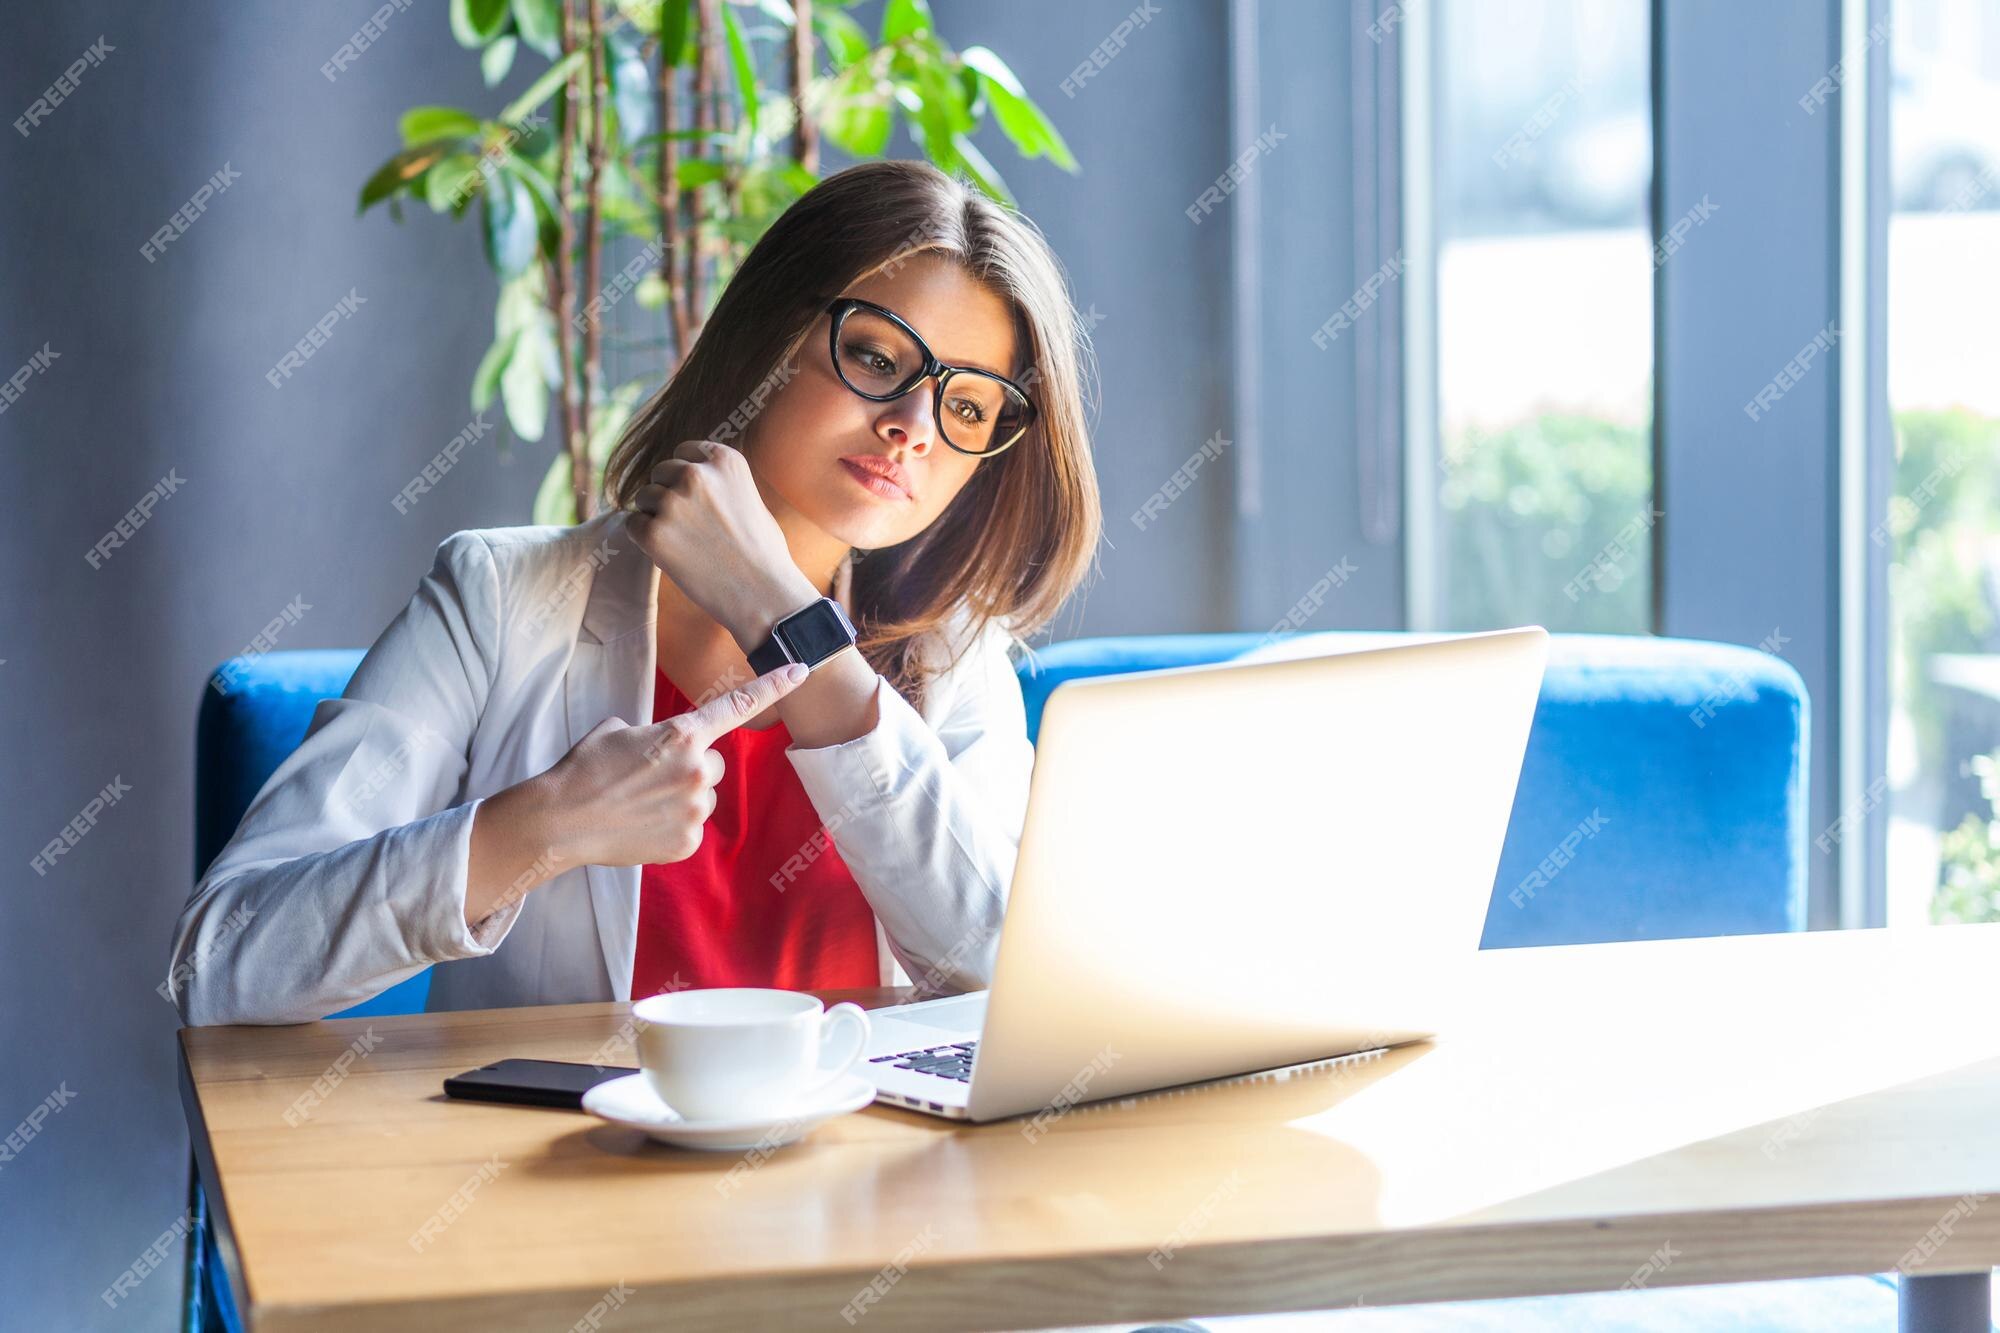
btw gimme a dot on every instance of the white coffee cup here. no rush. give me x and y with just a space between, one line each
740 1052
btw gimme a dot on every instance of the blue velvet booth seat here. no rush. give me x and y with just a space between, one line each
1662 794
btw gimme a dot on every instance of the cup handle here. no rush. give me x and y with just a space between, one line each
847 1022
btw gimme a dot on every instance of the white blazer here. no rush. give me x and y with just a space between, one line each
347 873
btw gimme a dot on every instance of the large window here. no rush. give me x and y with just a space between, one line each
1541 233
1544 315
1943 530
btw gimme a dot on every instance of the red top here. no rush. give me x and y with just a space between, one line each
765 900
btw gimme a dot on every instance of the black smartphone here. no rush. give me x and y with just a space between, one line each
532 1082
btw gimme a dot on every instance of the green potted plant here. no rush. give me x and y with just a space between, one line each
654 120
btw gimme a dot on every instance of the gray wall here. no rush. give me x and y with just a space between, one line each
1150 129
1750 539
286 492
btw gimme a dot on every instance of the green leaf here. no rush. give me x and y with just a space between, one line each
643 14
540 24
674 30
531 140
522 303
423 124
857 116
797 177
900 18
524 384
844 38
679 136
486 380
512 235
555 500
398 172
694 171
770 186
497 59
544 194
534 174
450 185
976 166
990 65
780 11
739 60
543 88
476 22
623 200
608 421
1020 119
944 94
933 128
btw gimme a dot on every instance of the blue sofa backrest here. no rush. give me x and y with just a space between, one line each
254 713
1662 793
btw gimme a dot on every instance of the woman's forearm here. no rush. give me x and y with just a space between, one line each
835 704
514 848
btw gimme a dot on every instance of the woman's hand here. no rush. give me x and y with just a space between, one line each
622 796
701 520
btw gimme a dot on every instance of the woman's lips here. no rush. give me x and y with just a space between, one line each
874 480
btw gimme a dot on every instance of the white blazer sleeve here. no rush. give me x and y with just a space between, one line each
347 873
929 818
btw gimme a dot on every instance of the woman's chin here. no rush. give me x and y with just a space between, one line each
865 528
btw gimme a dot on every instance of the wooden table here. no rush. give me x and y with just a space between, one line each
1647 1114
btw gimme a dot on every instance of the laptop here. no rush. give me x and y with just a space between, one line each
1235 868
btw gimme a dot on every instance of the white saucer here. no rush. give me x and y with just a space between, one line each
631 1101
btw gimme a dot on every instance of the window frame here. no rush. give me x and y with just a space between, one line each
1808 234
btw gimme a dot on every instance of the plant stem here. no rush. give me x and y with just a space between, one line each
708 37
805 134
593 245
670 211
562 299
727 117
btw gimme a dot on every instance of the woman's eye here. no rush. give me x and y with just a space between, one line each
872 359
971 413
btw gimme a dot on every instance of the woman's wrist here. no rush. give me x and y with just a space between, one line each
837 703
751 623
518 845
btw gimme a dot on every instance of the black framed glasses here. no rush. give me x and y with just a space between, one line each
881 358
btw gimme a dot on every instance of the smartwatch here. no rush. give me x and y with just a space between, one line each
810 635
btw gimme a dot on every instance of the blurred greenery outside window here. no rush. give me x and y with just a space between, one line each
1544 280
1942 530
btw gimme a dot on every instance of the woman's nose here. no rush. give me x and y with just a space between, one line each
909 422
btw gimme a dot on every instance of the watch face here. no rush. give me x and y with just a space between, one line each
816 633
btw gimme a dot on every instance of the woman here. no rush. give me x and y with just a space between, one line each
883 414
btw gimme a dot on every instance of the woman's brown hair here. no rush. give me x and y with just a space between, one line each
1018 539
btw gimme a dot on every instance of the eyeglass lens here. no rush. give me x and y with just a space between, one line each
876 356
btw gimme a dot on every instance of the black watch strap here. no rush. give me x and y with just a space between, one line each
809 635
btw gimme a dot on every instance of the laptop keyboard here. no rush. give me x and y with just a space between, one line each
952 1062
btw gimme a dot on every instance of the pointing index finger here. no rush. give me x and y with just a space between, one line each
726 712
